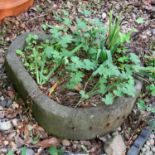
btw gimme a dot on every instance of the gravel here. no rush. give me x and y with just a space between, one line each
149 146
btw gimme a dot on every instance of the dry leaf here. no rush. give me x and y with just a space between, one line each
48 142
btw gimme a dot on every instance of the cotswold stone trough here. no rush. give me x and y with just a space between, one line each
59 120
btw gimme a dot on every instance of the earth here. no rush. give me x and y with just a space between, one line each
18 129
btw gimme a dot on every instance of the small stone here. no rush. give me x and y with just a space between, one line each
153 31
11 135
104 15
86 143
9 102
103 139
15 105
153 149
66 142
1 108
147 147
153 2
119 129
152 136
1 98
1 60
29 151
74 146
110 146
15 122
144 149
148 143
6 103
3 150
6 125
151 142
13 146
149 153
6 143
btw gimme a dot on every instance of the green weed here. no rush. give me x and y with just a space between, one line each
86 53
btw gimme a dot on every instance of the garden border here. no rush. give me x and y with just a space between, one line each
59 120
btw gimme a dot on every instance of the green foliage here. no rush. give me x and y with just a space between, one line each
54 151
116 39
141 105
10 153
23 151
85 53
151 88
108 99
140 20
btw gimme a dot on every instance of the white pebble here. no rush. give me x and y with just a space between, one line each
144 149
152 136
153 149
104 15
149 153
15 122
151 142
6 142
5 125
147 147
148 143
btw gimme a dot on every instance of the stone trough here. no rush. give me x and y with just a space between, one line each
59 120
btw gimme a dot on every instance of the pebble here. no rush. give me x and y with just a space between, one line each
104 15
13 146
6 125
29 151
65 142
152 136
6 103
148 143
15 105
144 149
149 153
119 129
153 31
149 146
14 122
151 142
3 150
6 143
1 60
1 98
153 149
1 108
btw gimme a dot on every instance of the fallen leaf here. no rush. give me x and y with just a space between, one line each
48 142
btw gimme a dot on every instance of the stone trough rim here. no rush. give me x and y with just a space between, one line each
60 120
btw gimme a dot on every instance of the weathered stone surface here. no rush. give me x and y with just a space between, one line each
59 120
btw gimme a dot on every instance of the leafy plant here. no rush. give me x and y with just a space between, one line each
140 20
116 38
23 151
85 53
142 106
10 153
54 151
